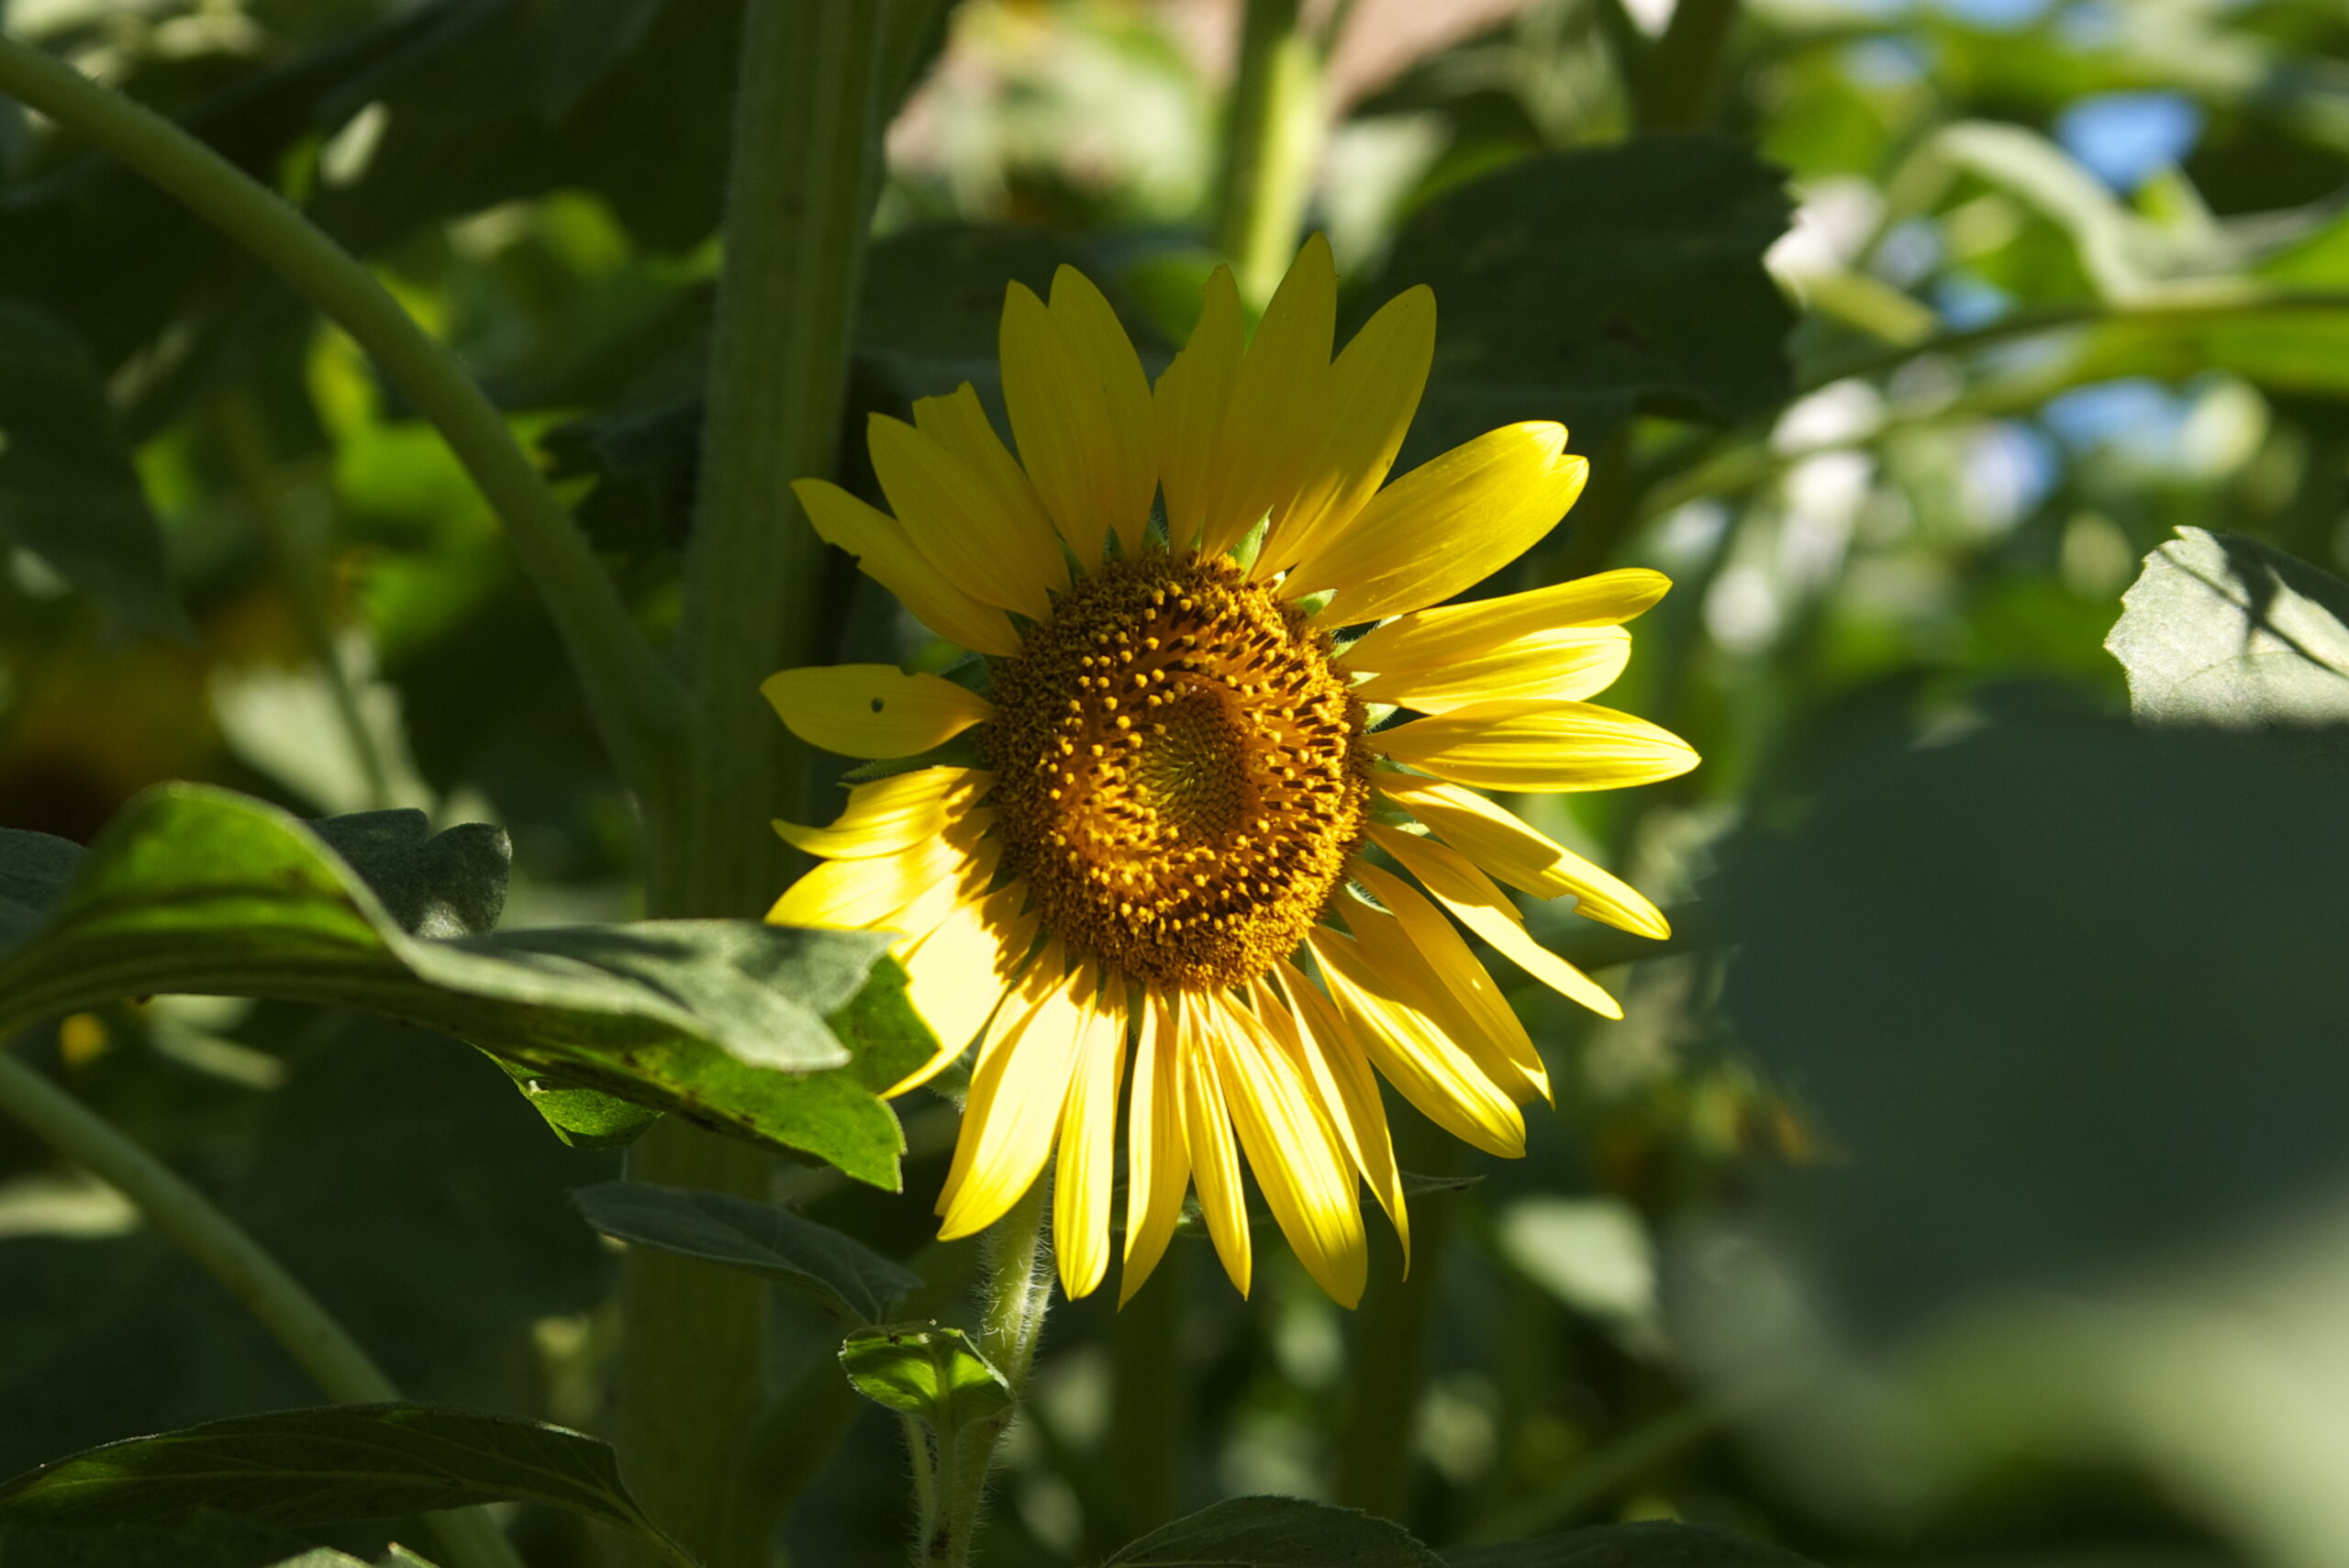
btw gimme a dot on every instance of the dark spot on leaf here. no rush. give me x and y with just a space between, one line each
877 704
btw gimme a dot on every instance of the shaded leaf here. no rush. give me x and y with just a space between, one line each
68 490
193 889
212 1539
815 1260
450 883
1655 1543
2105 987
325 1465
1564 284
1276 1532
925 1370
2224 631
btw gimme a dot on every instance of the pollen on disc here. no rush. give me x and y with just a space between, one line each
1179 773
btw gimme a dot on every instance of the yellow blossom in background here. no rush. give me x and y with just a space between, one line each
1184 868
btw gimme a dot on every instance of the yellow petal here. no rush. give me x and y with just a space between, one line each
1410 1050
1015 1107
1431 639
946 510
1088 1155
1303 1173
1215 1160
1566 665
1374 389
1449 523
872 710
957 974
1280 401
1414 940
1500 843
1332 1060
1485 910
1191 399
892 814
885 554
883 892
1158 1160
1539 746
1127 469
960 424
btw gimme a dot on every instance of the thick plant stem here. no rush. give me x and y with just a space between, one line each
1272 139
630 692
1391 1344
1018 1288
319 1345
1148 1404
1683 73
806 150
807 165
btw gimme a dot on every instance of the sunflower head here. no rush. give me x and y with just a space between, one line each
1189 846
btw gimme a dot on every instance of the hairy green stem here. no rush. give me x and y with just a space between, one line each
1018 1288
319 1344
1390 1359
1148 1404
806 153
630 692
1272 139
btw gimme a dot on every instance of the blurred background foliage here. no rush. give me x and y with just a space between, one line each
1981 1123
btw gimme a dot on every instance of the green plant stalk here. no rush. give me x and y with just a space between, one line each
1148 1409
1681 75
807 157
630 692
1017 1290
1390 1345
319 1344
1273 135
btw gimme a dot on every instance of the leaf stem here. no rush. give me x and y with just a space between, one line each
319 1344
1017 1290
1272 139
630 691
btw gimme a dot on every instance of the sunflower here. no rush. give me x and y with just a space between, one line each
1159 836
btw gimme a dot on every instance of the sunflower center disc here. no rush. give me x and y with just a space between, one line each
1179 773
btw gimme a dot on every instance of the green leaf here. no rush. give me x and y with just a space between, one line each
450 883
925 1370
1276 1532
814 1260
324 1466
584 1118
193 889
2224 631
2064 998
68 490
1655 1543
213 1540
1564 284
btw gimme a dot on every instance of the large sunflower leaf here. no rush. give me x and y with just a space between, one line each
1276 1532
196 890
324 1466
1653 1543
1564 282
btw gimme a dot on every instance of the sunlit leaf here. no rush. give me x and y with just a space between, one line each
925 1370
2221 629
196 890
